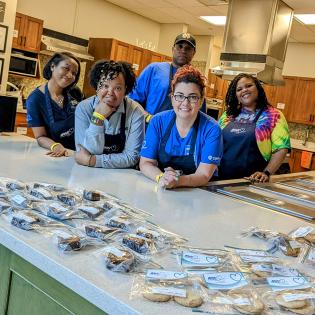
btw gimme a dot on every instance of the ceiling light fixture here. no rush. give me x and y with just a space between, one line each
308 19
216 20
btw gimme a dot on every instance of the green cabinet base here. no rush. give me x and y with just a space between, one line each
25 290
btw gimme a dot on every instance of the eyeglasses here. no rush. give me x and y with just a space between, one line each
192 99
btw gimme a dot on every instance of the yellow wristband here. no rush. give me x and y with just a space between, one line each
158 177
53 146
99 116
148 118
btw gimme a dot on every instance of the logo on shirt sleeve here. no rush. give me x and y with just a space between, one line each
144 145
214 158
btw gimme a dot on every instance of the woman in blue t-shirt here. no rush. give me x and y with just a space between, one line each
50 108
182 146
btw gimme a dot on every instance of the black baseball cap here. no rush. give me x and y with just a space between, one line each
185 37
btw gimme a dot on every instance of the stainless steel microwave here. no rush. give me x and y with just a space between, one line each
23 65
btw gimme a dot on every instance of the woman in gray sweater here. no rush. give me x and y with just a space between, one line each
109 127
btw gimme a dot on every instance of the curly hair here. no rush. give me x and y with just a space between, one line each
189 74
110 69
55 60
233 107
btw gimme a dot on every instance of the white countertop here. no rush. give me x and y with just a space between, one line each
206 219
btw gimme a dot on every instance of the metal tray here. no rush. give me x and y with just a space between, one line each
296 195
258 198
302 184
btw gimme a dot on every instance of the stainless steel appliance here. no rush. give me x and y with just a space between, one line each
255 39
24 65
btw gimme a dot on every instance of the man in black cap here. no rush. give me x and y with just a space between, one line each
153 86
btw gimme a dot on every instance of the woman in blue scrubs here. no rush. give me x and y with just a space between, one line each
50 107
183 146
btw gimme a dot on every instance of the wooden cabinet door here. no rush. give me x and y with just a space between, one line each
304 109
136 59
295 162
121 51
284 96
211 84
21 125
220 88
33 29
18 28
155 57
270 93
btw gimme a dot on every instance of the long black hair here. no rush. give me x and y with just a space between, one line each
231 101
110 69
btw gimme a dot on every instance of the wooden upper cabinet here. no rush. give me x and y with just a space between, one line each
28 32
216 87
109 48
303 109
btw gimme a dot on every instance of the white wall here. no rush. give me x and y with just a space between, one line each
300 60
203 46
92 18
9 19
168 33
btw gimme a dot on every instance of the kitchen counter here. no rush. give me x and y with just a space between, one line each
298 144
205 219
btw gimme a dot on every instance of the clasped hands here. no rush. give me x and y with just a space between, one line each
170 178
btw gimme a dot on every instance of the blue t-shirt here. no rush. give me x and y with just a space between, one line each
152 87
208 148
37 112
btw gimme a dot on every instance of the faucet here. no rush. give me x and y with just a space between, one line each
307 133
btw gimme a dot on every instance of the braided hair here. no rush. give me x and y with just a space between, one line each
109 70
231 101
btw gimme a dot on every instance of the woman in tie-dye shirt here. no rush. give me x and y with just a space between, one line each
255 134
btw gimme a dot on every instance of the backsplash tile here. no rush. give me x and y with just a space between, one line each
31 83
298 131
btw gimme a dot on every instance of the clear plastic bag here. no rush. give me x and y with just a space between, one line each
4 206
58 211
163 286
93 211
124 223
69 198
118 259
13 184
289 302
41 193
20 200
100 232
51 187
307 255
69 240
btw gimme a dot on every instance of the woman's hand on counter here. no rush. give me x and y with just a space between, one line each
58 150
259 177
84 157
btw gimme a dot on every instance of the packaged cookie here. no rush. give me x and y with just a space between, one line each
290 302
201 259
57 210
68 241
304 234
20 200
118 259
163 286
138 244
14 185
3 193
26 220
122 222
68 198
51 187
100 232
268 270
41 193
92 211
91 195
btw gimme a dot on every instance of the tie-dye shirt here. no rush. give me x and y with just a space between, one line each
272 131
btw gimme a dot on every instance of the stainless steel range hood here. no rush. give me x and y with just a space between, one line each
255 40
51 45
